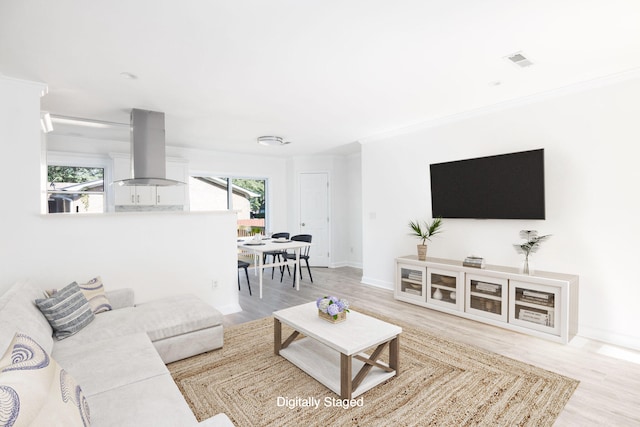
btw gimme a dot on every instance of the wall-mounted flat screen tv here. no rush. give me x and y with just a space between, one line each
506 186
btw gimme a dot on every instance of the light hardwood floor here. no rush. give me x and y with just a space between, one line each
609 390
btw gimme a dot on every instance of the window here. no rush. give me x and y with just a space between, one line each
75 189
247 196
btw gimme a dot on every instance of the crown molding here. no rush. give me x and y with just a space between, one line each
44 89
525 100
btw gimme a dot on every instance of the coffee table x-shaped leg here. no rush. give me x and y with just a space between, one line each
348 383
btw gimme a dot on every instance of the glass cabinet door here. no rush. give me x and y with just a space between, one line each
534 306
411 282
486 297
445 288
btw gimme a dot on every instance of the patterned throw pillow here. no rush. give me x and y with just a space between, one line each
93 290
67 311
36 391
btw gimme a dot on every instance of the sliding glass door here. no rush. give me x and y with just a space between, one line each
247 196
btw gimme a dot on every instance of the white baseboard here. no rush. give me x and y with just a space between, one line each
377 283
609 337
229 308
346 264
339 264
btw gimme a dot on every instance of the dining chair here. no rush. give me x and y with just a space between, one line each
245 265
275 254
304 255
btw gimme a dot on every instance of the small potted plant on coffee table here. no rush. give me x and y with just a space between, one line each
332 308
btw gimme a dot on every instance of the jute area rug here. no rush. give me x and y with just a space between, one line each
442 383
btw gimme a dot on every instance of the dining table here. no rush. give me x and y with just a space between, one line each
258 247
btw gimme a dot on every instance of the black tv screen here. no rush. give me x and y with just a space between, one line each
507 186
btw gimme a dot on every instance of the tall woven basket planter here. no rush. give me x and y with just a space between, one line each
422 252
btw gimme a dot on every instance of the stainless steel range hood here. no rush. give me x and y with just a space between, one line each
148 160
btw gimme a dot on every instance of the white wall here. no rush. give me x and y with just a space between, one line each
20 149
353 214
590 137
158 254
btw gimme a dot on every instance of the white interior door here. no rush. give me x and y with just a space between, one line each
314 215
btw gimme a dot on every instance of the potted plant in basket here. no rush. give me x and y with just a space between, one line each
425 231
332 308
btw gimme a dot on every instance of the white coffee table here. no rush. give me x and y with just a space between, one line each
331 352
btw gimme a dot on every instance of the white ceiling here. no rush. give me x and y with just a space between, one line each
322 74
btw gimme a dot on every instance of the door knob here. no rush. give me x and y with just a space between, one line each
303 224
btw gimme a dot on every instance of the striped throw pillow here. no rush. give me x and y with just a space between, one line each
67 311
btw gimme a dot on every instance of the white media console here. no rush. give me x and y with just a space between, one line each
542 304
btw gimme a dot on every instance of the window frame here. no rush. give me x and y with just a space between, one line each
55 158
230 178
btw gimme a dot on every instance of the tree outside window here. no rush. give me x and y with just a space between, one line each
74 189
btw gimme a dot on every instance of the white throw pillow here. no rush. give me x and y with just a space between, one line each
36 391
93 290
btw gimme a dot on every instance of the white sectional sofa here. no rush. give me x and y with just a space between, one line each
119 358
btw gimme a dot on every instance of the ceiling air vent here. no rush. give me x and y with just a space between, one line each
519 59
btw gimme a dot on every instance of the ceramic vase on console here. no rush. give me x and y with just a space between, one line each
437 294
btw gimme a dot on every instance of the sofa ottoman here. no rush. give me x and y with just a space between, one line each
180 326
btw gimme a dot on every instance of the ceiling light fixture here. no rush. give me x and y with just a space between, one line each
272 141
